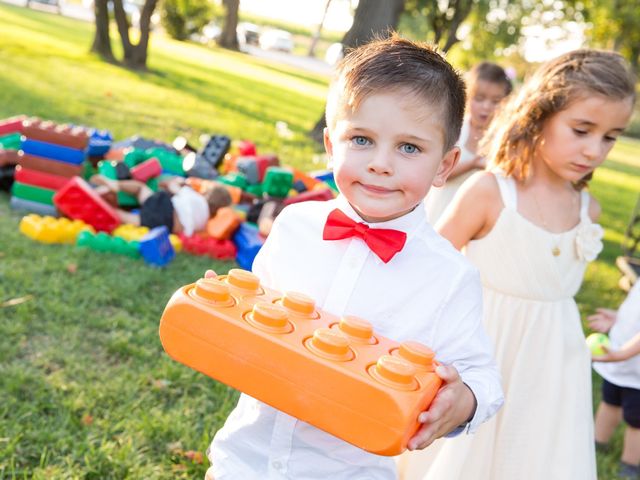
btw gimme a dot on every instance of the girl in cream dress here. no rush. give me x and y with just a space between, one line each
529 226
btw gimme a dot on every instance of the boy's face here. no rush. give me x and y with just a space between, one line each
388 153
484 101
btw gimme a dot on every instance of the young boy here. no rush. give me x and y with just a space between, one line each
620 371
393 115
176 206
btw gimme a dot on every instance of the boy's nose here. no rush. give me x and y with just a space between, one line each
380 163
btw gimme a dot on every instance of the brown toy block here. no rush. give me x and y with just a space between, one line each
46 165
72 137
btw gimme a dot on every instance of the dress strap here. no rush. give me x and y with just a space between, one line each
508 191
584 205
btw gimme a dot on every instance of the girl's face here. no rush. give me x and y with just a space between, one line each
576 140
485 98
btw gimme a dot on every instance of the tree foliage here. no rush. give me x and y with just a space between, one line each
181 18
615 24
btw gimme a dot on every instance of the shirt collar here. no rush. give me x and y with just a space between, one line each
407 223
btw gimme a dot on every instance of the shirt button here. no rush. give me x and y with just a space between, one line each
277 465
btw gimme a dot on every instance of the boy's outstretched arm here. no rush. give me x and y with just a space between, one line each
628 350
454 405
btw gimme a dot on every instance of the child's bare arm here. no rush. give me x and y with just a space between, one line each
473 211
628 350
454 405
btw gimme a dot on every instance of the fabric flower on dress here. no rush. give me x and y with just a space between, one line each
589 241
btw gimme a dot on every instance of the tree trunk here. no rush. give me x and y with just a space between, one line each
102 41
123 29
316 35
462 11
229 37
372 18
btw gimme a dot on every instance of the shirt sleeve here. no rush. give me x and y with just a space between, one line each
463 343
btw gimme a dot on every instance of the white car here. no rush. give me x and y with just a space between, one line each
277 40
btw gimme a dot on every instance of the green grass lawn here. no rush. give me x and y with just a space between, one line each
85 388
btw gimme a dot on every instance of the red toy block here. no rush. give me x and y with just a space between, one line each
204 245
246 148
39 179
317 195
55 167
146 170
72 137
12 125
8 157
265 161
77 200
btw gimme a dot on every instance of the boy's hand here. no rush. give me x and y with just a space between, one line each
610 356
602 320
210 274
453 405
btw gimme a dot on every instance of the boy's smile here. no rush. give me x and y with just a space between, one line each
387 154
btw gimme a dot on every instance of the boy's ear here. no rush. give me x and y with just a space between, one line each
449 161
328 146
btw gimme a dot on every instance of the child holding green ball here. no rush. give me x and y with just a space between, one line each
620 371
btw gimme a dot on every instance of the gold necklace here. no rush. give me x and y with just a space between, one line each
555 249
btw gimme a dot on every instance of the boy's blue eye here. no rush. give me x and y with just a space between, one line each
360 141
408 148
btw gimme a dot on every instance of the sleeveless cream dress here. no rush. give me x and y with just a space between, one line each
439 198
544 431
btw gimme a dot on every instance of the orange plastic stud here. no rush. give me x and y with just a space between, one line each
330 344
213 290
417 353
300 304
270 317
243 279
395 372
357 328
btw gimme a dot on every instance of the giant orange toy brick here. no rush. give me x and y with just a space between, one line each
334 373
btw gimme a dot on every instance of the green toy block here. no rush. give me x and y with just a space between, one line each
170 162
134 156
88 170
255 189
102 242
32 193
10 142
277 182
235 179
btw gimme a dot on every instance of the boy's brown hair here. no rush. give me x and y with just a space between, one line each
515 134
217 197
392 64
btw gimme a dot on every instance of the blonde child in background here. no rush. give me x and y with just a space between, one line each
528 225
394 112
620 372
487 86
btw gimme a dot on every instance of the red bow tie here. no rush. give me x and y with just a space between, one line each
384 242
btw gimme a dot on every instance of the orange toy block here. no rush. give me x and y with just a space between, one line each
334 373
225 222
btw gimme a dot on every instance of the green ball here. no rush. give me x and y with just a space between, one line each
596 341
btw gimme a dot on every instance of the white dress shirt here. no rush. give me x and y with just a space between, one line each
627 373
428 292
192 210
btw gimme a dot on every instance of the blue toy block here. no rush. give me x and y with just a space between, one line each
100 142
299 186
248 241
33 207
53 151
323 176
156 248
